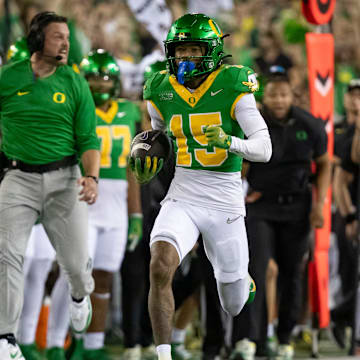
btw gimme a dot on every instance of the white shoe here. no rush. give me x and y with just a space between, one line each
80 315
133 353
149 353
245 349
285 352
9 351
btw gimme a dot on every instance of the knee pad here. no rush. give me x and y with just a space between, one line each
233 296
232 307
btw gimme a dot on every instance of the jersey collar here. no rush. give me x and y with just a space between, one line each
193 98
109 115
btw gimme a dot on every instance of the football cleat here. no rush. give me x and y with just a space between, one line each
285 352
80 315
149 353
244 350
133 353
271 347
9 351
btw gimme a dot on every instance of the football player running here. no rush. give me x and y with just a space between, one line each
115 222
206 107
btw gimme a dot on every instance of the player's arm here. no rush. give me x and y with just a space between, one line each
322 182
87 142
152 166
157 121
257 147
90 160
322 173
355 148
341 182
134 211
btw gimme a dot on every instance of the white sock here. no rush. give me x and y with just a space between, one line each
178 335
59 317
164 352
37 273
270 330
94 340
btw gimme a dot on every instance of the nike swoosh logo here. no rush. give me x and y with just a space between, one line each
121 114
213 93
13 356
21 93
229 221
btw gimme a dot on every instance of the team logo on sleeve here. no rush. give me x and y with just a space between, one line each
252 83
166 96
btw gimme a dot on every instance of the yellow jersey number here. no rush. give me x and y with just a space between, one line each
197 122
109 133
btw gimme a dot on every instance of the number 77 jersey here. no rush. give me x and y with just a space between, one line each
116 128
187 114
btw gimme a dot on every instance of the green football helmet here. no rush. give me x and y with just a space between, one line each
100 63
18 51
153 68
201 29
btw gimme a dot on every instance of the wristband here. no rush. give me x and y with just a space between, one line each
95 178
136 216
350 218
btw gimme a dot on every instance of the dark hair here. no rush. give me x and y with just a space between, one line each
36 37
353 84
277 73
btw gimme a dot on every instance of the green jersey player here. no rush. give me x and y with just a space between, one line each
206 107
119 201
47 122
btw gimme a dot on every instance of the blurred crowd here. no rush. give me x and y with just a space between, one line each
263 33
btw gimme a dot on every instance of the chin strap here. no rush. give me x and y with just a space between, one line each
185 67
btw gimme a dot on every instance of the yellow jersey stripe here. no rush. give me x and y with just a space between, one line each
109 115
157 109
232 111
193 98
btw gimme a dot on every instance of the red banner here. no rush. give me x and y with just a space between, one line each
318 12
320 55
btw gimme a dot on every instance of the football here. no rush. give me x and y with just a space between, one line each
151 143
